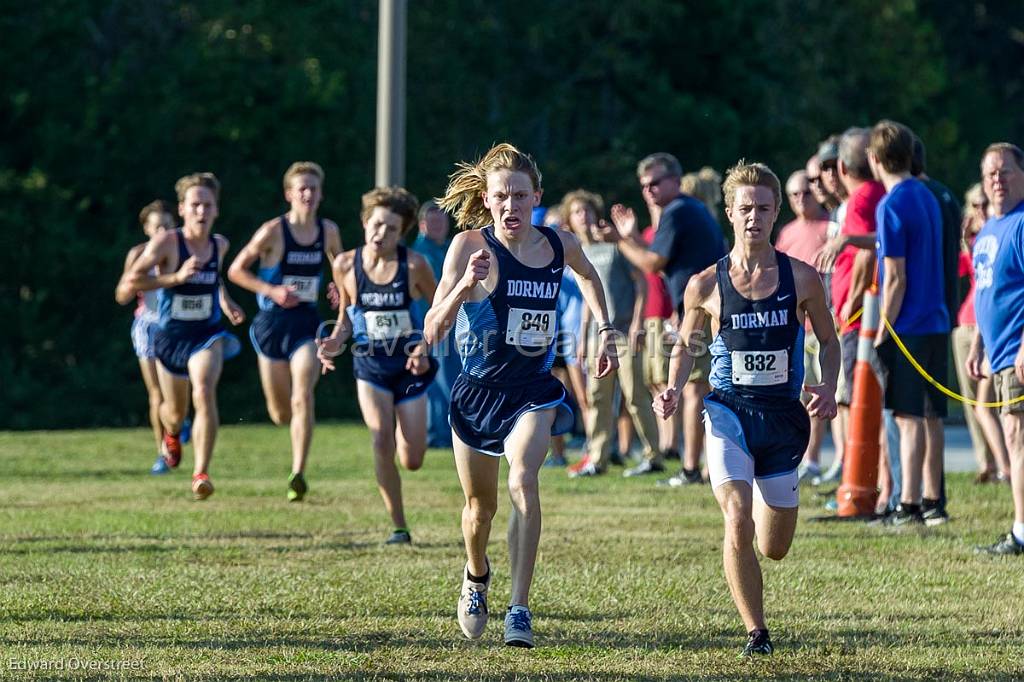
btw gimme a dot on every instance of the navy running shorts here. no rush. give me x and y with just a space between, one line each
388 373
174 350
773 434
279 332
483 414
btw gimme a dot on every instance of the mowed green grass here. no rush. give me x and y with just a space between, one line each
101 561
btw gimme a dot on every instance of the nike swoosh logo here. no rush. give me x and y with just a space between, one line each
795 487
555 271
783 298
396 284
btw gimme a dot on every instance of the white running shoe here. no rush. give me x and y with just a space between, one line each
519 627
473 605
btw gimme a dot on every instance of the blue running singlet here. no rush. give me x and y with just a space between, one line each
190 313
300 267
385 327
509 336
755 425
276 332
758 352
507 346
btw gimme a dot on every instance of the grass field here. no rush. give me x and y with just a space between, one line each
102 562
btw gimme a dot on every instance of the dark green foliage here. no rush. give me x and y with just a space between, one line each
105 104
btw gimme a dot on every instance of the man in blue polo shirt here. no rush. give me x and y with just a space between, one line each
999 307
687 241
910 275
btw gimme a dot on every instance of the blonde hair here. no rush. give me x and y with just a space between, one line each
463 198
1011 149
303 168
745 174
207 180
704 185
593 201
398 200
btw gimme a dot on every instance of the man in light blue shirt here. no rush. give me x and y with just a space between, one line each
999 308
432 243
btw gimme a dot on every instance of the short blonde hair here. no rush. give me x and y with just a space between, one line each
207 180
589 199
745 174
1008 148
398 200
466 186
705 185
303 168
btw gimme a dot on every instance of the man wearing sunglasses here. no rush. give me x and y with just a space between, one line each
687 241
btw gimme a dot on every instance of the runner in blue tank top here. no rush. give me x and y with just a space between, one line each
500 290
191 344
377 284
290 250
756 428
155 217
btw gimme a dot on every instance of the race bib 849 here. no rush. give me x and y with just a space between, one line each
530 327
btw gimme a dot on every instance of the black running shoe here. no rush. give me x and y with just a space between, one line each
933 513
670 453
758 643
1004 546
905 515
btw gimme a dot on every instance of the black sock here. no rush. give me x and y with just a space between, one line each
910 508
482 579
927 504
691 474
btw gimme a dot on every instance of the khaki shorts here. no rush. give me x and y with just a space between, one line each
1008 388
812 370
659 341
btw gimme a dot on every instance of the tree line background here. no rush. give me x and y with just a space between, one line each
106 103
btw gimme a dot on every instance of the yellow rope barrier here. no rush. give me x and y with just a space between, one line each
933 382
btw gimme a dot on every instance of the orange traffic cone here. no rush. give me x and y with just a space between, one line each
858 492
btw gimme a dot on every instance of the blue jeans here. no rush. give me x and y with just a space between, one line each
439 394
892 437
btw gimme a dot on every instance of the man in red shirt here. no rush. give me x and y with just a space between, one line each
803 239
852 251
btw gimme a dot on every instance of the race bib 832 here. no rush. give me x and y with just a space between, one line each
760 367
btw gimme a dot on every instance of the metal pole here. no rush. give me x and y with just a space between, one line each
391 93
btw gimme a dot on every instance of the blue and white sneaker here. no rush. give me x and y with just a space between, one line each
519 627
473 605
159 466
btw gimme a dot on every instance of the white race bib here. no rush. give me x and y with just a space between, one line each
760 367
530 327
307 289
387 324
191 308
